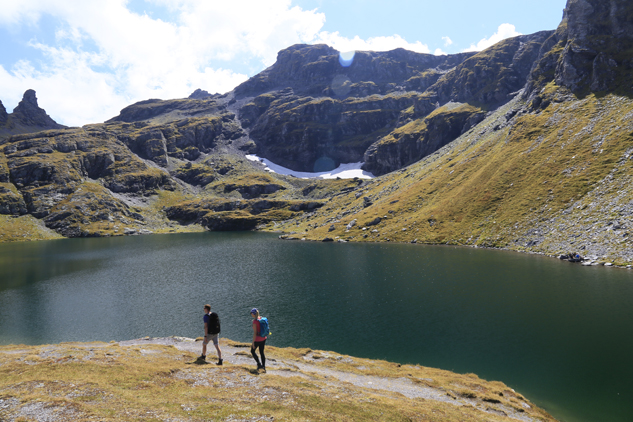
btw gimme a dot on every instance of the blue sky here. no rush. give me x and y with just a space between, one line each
87 59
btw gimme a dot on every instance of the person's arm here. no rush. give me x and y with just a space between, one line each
206 328
254 332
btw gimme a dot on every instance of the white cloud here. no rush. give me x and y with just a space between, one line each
334 39
504 31
447 41
137 57
103 56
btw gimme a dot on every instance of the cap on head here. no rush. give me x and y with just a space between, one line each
255 311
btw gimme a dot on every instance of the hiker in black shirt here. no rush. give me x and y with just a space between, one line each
211 332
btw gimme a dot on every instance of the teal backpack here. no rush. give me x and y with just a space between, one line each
264 328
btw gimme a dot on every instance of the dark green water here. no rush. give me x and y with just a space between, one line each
557 332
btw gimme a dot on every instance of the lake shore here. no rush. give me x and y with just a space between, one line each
160 379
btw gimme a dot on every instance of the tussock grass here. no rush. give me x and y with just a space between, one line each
26 227
148 381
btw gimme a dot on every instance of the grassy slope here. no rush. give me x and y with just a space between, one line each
524 186
110 382
26 227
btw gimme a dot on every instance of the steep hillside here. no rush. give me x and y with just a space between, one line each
542 183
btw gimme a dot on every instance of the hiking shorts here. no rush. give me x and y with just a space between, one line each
209 337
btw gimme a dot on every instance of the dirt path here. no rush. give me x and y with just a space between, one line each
312 368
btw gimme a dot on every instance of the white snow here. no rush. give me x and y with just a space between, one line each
344 171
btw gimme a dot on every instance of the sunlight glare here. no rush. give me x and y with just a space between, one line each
346 58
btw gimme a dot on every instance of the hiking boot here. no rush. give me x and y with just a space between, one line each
219 362
202 357
259 367
264 368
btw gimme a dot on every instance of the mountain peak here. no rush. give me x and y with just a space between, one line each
590 51
587 18
3 114
29 113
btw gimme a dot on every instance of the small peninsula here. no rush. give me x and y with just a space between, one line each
154 379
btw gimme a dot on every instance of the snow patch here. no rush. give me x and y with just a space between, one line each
344 171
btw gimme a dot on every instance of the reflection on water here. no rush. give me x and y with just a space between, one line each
557 332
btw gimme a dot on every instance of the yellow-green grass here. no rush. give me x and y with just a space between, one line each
22 228
109 382
491 185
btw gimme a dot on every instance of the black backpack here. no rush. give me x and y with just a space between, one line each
213 326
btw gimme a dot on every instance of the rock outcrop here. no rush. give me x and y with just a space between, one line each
168 110
201 94
3 115
311 111
591 50
29 113
493 76
27 117
317 134
320 70
420 138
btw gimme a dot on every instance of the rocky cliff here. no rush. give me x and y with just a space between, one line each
4 117
312 109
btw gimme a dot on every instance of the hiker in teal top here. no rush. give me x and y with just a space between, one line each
258 341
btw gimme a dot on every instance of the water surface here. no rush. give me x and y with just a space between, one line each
558 333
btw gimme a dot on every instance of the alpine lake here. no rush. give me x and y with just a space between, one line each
559 333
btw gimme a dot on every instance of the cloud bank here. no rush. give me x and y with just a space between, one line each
504 31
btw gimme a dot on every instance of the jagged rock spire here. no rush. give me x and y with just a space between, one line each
29 113
3 114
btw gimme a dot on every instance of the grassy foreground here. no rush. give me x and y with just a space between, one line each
159 380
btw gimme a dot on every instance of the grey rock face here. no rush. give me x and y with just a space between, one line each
316 70
186 139
309 112
596 33
494 75
603 72
28 113
406 148
3 114
588 18
148 109
316 134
